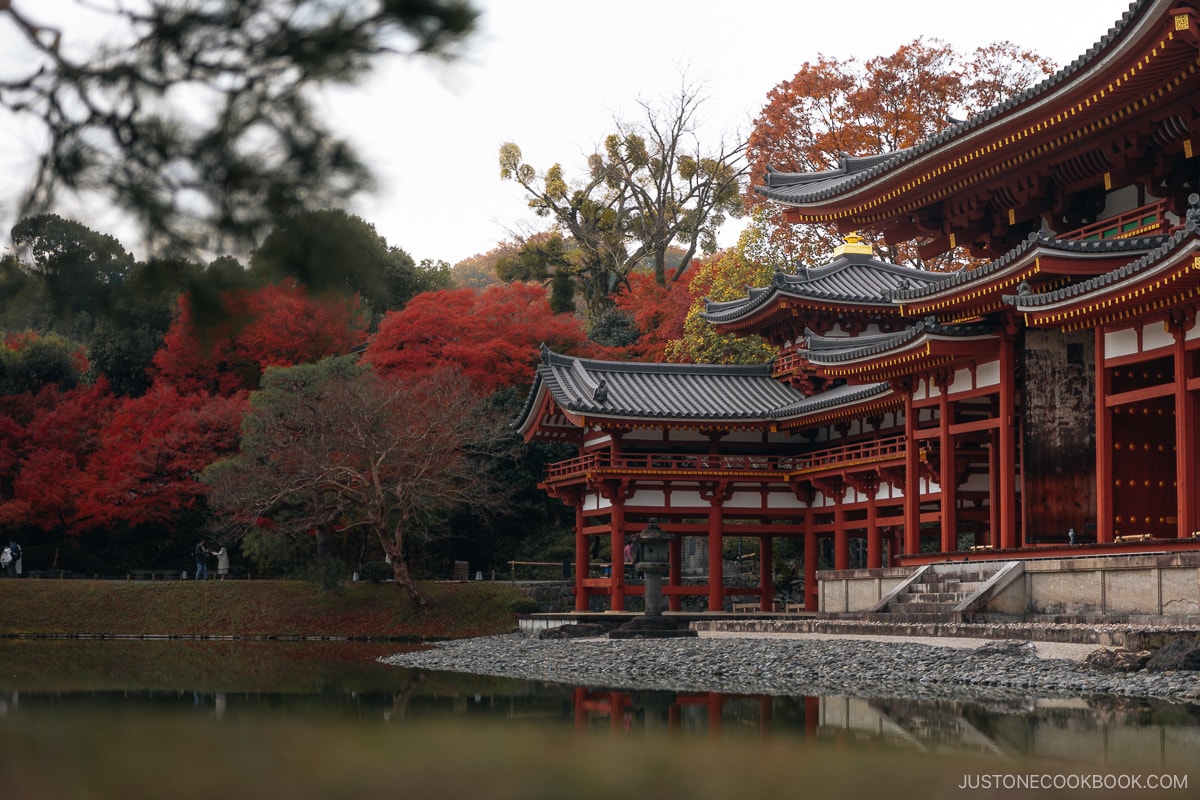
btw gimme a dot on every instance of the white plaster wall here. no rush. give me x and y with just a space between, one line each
745 500
647 497
595 502
962 381
783 500
1120 343
688 500
988 374
1155 336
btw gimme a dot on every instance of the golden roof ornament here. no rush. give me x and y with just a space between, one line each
854 245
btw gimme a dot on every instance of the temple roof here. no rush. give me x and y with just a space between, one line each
850 279
835 349
634 391
1120 116
1036 244
813 187
1166 275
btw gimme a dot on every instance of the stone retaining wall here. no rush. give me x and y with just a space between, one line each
1163 585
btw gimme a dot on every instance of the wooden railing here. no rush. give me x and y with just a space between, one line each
889 449
1145 221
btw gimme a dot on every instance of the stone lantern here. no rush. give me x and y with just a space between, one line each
655 550
655 561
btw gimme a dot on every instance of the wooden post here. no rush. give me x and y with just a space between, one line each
1104 447
675 575
1185 436
766 573
948 472
1007 436
716 593
617 545
874 537
810 563
912 478
582 558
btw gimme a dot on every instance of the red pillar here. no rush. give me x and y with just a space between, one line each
874 537
581 557
617 545
1008 442
675 576
766 573
912 479
811 602
841 539
993 537
1104 447
716 592
948 473
1185 432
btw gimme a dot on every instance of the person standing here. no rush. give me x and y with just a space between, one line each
202 560
14 550
222 562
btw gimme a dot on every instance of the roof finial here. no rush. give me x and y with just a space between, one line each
854 245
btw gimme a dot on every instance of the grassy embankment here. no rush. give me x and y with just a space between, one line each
267 609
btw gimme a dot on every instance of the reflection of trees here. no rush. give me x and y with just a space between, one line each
401 699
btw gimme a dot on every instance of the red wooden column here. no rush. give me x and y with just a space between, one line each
841 538
1104 446
716 590
675 575
874 537
912 478
948 471
581 556
1185 433
766 573
993 489
617 546
810 563
1007 441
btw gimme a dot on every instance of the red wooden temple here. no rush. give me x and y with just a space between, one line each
1042 403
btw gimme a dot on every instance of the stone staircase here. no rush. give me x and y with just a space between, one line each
950 590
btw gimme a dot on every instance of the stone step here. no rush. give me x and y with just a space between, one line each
963 587
916 598
973 576
921 608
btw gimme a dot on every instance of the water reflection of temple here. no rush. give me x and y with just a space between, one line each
1109 731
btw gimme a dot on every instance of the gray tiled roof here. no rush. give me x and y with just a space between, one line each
1166 245
840 349
849 278
801 188
699 392
1033 245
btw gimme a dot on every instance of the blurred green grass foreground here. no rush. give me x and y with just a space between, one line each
169 756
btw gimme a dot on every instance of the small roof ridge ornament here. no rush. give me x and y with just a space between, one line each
854 245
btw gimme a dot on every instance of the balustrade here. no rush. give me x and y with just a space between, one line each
889 449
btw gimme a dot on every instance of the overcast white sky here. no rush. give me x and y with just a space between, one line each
550 75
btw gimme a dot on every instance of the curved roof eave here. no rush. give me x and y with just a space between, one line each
842 179
1110 280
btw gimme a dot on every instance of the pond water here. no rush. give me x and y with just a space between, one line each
128 718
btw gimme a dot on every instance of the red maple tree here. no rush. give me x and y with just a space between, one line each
277 325
492 336
150 454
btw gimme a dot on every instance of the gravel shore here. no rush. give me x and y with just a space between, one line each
803 665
